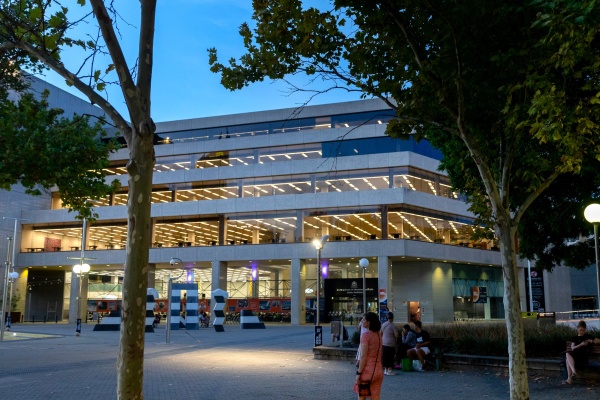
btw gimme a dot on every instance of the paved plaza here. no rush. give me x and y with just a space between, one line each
47 361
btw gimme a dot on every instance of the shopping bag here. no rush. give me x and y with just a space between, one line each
417 366
406 365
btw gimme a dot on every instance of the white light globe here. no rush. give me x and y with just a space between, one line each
13 275
364 263
592 213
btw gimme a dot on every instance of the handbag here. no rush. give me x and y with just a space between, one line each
364 387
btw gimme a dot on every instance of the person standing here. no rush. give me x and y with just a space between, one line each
369 366
389 338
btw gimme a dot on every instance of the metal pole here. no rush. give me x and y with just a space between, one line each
169 288
364 290
597 265
530 291
5 283
318 319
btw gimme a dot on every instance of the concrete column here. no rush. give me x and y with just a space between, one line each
219 275
384 222
222 232
255 236
299 237
255 282
151 275
84 296
384 282
276 284
152 231
298 292
72 277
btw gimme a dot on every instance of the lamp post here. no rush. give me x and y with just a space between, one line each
364 263
80 270
592 214
173 261
319 244
4 323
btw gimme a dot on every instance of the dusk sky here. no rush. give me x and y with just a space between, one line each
183 86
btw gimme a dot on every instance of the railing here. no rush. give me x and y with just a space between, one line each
578 314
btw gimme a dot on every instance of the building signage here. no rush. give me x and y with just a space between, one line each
479 294
537 290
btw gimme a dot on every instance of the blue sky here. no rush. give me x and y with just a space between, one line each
183 86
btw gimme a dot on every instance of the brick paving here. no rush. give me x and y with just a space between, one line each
275 363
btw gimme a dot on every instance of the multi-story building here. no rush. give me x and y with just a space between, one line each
240 199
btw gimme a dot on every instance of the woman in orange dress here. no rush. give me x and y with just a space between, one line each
369 366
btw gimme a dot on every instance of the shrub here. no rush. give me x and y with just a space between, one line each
490 338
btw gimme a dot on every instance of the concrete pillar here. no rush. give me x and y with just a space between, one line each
298 292
222 233
299 236
151 275
384 222
384 282
153 231
72 277
255 282
219 275
275 288
75 281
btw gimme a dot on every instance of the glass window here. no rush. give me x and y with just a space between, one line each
343 224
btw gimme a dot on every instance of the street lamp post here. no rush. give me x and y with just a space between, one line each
364 263
319 244
80 270
592 214
5 323
173 261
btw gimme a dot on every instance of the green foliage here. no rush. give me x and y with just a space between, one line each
490 339
41 150
509 91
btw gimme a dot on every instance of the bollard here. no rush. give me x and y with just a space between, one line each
45 318
56 319
33 319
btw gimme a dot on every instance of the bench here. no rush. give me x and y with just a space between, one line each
592 369
434 358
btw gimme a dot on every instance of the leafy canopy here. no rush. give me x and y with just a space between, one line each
508 90
41 149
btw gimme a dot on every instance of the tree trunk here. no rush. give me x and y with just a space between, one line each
519 385
130 363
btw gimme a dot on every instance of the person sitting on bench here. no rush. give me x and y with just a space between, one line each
579 353
420 350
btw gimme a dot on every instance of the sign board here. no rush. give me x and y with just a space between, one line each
537 289
318 335
479 294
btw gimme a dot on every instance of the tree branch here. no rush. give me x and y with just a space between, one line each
91 94
116 53
145 54
534 195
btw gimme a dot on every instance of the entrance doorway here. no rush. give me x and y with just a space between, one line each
413 311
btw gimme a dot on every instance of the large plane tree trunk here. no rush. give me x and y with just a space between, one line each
519 385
